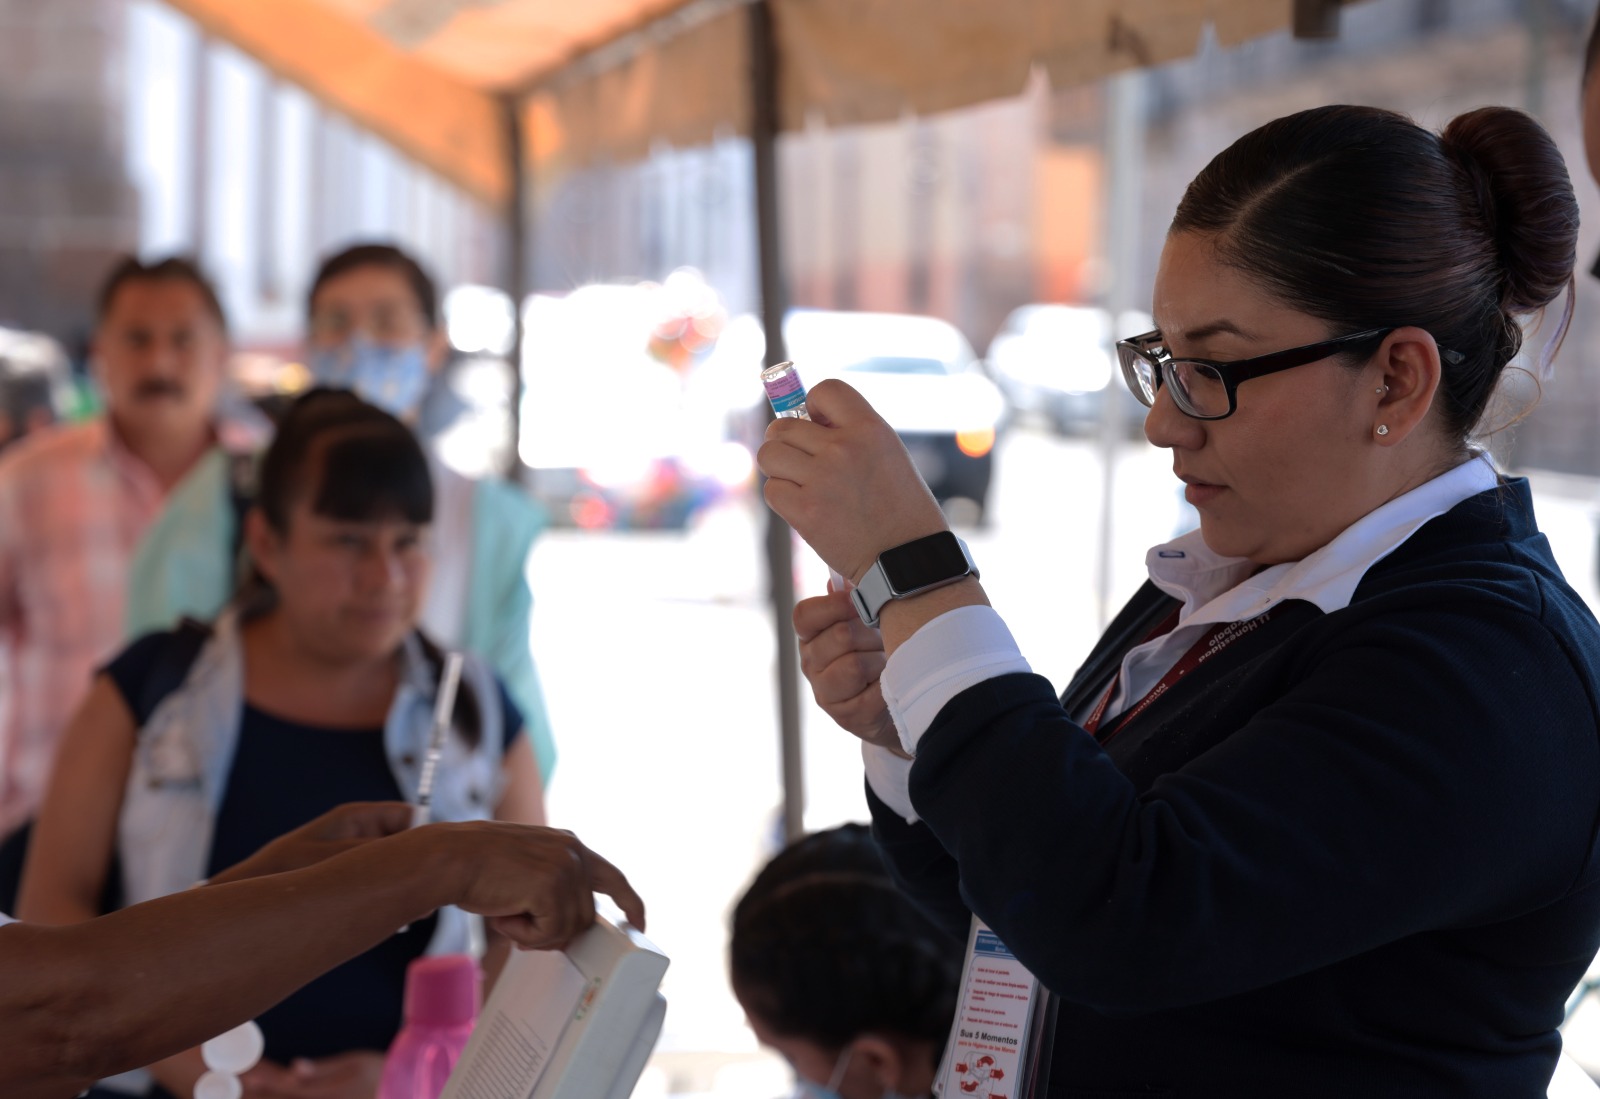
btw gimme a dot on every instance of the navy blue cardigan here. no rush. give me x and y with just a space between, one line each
1352 857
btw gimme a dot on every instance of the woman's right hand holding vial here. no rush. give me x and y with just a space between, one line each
844 481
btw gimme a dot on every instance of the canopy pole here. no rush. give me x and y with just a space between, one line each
200 175
518 225
1316 18
764 62
1124 156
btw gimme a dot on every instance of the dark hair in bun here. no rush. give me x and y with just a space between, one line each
1361 217
1521 186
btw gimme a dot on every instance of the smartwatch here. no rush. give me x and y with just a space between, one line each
911 569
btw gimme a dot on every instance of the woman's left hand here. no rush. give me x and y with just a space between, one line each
842 658
844 481
353 1075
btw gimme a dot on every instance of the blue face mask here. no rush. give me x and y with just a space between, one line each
807 1089
393 378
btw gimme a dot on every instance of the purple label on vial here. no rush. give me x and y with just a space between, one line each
786 392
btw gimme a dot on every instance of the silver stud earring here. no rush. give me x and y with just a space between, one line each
1383 429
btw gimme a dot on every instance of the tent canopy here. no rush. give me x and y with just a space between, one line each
447 80
491 92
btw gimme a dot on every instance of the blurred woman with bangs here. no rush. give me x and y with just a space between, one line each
313 688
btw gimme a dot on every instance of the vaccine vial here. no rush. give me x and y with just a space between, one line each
784 390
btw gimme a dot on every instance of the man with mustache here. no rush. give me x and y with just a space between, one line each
75 499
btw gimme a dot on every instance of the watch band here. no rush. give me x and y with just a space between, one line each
871 594
945 554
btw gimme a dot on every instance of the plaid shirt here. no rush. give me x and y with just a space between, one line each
73 504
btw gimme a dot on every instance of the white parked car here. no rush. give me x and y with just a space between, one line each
1057 363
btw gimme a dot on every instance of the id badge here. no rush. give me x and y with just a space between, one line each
999 1043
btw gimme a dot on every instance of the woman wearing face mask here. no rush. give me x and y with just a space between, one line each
1318 815
314 688
373 320
840 974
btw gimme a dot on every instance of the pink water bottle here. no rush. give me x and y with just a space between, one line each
441 1006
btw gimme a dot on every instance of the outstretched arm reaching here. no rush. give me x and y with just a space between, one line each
77 1004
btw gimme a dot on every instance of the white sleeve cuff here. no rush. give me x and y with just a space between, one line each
890 778
958 649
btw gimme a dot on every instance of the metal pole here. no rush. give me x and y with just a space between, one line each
518 227
269 228
1124 151
774 302
1537 18
1316 18
200 150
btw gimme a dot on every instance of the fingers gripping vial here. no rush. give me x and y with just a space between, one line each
788 397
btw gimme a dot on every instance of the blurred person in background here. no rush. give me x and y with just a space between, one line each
38 386
840 973
374 328
26 407
75 499
315 687
35 384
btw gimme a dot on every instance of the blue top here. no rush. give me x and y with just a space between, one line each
1355 855
284 774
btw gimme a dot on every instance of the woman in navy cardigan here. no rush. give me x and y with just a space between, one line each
1318 814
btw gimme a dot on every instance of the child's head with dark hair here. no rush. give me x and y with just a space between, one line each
839 972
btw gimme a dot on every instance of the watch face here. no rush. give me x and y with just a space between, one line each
923 562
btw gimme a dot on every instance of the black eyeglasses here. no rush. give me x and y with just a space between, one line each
1207 390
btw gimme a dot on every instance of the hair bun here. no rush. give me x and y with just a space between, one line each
1525 199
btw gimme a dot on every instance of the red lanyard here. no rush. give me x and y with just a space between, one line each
1216 639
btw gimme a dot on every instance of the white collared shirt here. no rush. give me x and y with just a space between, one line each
965 646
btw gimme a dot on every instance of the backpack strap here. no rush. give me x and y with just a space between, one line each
172 663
